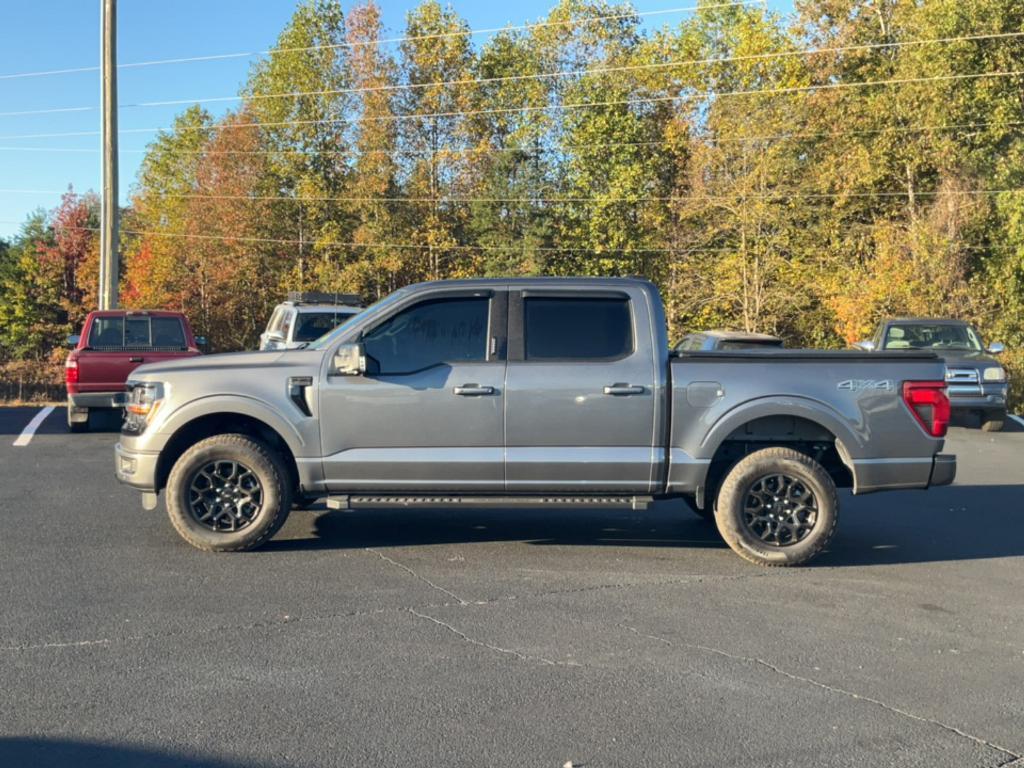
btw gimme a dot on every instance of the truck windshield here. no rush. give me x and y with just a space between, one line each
932 336
327 339
313 325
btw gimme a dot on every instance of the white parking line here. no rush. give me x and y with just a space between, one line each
1018 419
30 429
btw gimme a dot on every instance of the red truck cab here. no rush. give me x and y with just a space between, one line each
114 343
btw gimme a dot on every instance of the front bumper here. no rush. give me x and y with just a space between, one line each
136 468
986 397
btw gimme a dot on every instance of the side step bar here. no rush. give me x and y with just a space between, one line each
488 502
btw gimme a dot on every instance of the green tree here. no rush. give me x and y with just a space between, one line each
298 99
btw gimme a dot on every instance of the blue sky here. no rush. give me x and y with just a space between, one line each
57 34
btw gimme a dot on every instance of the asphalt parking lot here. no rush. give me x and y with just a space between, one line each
430 638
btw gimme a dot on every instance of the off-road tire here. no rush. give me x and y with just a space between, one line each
993 422
77 426
263 462
732 496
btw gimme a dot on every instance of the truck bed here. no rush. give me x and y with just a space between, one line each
847 398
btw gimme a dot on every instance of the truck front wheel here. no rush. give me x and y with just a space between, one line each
228 493
777 507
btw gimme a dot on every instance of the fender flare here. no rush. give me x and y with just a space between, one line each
212 405
849 442
806 408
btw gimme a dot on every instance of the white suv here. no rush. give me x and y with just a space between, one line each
306 317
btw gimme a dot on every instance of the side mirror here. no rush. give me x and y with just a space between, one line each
865 346
349 360
996 348
73 339
201 342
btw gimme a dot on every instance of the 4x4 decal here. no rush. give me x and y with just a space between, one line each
859 385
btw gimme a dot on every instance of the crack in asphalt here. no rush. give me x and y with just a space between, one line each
288 619
473 641
413 573
1012 757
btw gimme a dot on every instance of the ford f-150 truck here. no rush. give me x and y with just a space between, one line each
976 381
113 343
551 392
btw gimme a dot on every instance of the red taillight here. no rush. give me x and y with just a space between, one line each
71 370
928 401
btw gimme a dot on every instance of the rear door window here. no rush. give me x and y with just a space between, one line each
585 328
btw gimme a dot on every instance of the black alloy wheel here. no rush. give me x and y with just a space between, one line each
225 496
780 509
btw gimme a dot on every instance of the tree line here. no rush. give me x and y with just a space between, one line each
801 175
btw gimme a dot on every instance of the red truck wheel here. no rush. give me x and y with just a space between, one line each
777 507
78 426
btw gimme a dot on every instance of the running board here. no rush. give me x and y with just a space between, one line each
488 502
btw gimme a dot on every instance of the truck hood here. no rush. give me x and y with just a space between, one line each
233 363
957 358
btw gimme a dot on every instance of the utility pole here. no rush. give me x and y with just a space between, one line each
109 266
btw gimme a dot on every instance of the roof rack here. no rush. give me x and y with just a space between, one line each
318 297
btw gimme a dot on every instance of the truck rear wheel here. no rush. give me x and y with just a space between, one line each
80 425
777 507
228 493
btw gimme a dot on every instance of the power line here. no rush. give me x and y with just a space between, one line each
782 195
386 41
1010 125
533 150
577 105
461 247
539 76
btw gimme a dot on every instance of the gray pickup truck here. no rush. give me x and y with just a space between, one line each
547 392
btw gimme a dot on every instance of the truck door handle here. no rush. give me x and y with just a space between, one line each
623 389
134 359
468 390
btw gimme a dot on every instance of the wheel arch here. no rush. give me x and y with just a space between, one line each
188 432
805 425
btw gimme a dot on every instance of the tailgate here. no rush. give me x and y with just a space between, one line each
106 371
118 344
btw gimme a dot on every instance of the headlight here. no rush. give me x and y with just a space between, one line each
144 400
994 374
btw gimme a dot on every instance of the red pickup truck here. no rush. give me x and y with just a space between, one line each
114 343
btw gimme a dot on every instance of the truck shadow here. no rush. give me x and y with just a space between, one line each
68 753
944 524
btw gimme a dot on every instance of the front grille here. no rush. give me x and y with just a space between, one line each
963 382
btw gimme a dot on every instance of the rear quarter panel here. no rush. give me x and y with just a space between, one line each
855 396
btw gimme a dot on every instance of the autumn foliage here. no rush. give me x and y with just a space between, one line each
804 176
